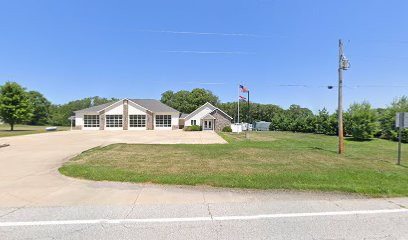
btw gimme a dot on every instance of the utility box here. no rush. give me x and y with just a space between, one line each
236 127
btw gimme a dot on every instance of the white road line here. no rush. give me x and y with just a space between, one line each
199 219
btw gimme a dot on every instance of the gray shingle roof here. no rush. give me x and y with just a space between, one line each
183 115
95 108
154 105
221 112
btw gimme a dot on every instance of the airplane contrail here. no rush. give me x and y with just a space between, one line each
204 33
205 83
208 52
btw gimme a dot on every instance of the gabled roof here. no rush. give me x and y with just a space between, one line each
207 104
208 116
95 108
222 112
152 105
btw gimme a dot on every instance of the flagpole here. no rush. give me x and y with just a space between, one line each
249 119
238 104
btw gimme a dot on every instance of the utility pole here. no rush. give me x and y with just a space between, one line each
340 101
343 65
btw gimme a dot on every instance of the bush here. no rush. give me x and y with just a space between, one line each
192 128
388 117
227 129
362 121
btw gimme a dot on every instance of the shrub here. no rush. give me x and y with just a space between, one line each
227 129
193 128
388 117
362 121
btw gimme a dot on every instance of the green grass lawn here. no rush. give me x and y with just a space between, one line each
268 160
23 130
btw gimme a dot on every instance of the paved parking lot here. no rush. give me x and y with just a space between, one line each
29 166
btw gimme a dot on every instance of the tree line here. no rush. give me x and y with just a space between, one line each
19 106
361 121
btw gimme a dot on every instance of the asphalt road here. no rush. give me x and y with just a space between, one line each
285 216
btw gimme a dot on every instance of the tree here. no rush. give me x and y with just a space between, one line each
230 108
260 112
41 108
322 121
15 105
333 127
280 122
300 119
387 119
362 120
295 119
186 102
167 97
181 102
59 114
380 113
199 96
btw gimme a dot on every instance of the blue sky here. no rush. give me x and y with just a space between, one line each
73 49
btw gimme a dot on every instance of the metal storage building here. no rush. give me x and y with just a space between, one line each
261 126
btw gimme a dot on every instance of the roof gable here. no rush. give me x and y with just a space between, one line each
207 104
208 116
222 113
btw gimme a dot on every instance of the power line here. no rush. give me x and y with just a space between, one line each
377 86
335 86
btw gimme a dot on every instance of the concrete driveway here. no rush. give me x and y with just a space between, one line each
29 166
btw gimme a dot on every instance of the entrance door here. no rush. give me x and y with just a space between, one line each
208 124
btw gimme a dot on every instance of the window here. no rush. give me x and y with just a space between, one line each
163 120
91 120
193 122
137 120
113 121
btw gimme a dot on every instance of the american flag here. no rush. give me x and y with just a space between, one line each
243 89
242 99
